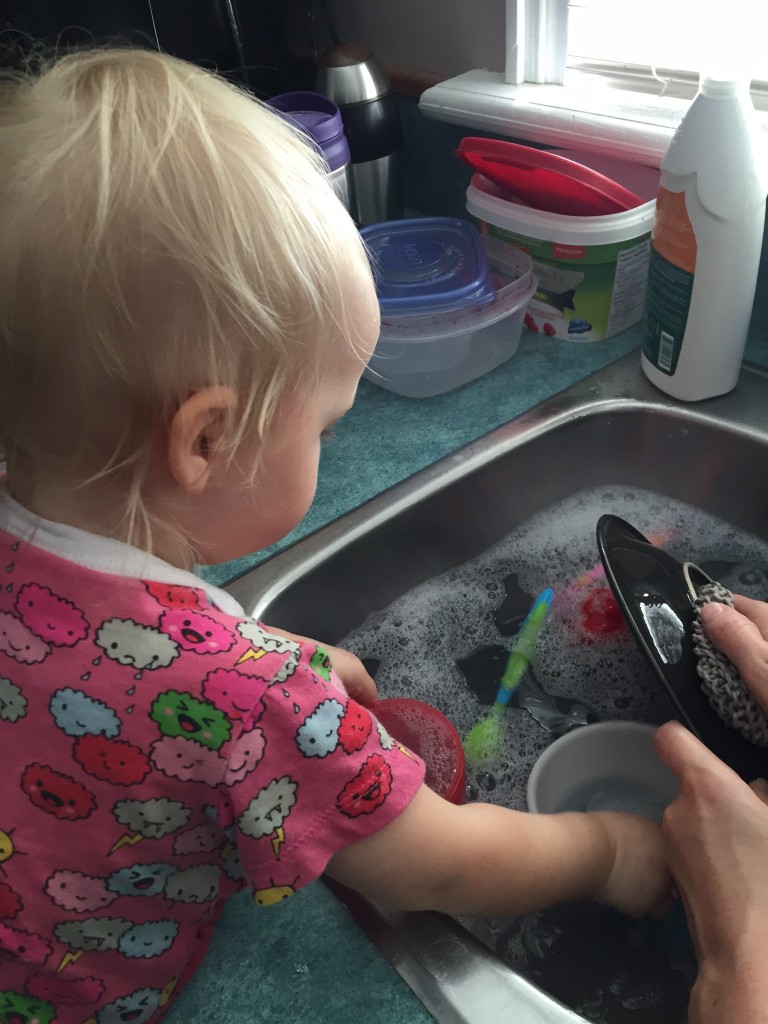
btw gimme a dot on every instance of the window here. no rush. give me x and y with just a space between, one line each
613 77
658 46
677 38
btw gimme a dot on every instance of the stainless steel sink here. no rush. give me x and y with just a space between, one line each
612 428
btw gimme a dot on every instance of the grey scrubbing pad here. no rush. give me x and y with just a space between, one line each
720 679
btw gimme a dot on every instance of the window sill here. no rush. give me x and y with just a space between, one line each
587 114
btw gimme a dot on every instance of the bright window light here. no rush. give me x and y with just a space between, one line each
671 35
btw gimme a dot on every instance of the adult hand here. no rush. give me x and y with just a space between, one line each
716 832
741 633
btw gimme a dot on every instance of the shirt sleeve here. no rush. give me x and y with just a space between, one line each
322 773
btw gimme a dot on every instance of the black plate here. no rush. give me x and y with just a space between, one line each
652 592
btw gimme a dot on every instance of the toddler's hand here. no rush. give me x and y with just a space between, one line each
353 673
639 883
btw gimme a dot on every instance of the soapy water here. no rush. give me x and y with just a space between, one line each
445 643
587 665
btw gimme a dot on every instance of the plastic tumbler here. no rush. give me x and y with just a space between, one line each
428 733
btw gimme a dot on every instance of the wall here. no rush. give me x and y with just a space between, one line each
445 37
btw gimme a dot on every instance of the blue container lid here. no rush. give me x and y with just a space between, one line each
428 265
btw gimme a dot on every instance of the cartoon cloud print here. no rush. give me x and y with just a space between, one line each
271 670
181 714
368 789
54 619
13 703
199 884
232 865
187 760
149 819
140 879
16 1007
57 794
10 902
78 893
66 991
113 761
234 693
318 735
146 941
95 934
355 728
266 813
76 714
26 947
320 662
140 647
19 642
196 631
244 756
172 595
199 839
385 739
137 1008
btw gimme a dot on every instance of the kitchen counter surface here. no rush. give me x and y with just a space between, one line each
385 437
305 960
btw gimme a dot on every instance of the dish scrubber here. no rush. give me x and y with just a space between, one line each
720 679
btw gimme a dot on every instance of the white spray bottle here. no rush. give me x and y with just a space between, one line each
706 243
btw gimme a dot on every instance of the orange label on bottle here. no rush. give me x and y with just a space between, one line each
673 236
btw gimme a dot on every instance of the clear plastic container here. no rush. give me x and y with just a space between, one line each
421 356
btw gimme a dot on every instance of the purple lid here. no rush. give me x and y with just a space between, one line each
320 118
428 265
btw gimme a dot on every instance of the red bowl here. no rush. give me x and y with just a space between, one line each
428 733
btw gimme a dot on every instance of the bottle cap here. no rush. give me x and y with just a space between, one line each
320 119
723 84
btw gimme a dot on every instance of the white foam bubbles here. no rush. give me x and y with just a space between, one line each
419 636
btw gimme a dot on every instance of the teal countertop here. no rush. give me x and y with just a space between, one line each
385 438
305 960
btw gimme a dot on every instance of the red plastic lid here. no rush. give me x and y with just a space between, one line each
431 735
545 181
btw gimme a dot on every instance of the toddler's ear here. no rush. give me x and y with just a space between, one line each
192 435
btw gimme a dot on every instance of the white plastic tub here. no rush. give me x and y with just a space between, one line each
421 356
592 271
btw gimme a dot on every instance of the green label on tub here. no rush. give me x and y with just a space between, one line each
585 292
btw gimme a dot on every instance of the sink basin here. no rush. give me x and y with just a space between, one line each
611 429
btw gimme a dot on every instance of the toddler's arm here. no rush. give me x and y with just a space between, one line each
490 861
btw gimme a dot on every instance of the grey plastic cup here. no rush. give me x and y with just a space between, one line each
608 766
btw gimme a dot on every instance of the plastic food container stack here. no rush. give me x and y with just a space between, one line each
445 318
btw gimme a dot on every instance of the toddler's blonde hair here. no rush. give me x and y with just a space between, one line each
160 231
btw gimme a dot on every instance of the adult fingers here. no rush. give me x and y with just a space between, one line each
684 754
740 638
760 788
757 611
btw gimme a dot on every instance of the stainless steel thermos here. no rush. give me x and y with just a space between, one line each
357 83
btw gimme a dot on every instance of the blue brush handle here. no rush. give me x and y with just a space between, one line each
523 647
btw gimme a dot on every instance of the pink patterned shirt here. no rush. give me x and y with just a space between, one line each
158 750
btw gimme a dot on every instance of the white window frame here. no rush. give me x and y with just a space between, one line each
534 101
542 26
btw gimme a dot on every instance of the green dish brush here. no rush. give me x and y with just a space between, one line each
483 742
